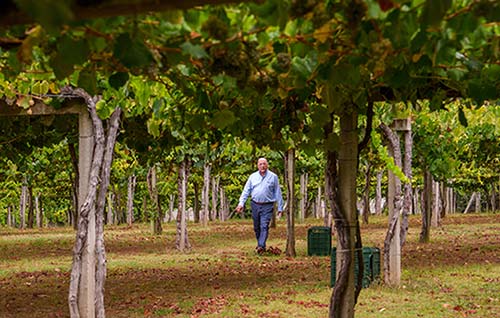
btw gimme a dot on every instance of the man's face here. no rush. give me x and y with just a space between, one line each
262 165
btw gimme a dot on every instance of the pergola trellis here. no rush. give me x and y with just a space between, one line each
12 15
85 149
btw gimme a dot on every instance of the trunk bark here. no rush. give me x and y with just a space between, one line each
38 211
317 207
493 200
416 199
290 211
435 220
366 194
205 193
94 202
132 181
153 195
215 198
303 196
196 203
10 217
346 289
22 205
31 208
171 204
425 234
378 193
469 204
109 216
478 203
223 207
182 241
105 176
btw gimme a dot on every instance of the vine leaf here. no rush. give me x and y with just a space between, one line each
132 52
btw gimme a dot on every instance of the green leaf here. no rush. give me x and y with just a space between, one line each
434 11
60 67
104 110
87 81
461 117
118 79
223 119
332 142
74 52
196 51
132 52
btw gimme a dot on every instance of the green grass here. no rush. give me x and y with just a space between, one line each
457 274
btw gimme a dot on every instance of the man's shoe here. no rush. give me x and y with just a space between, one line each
260 250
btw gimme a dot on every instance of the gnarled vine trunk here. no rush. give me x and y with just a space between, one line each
290 198
94 202
182 241
345 291
153 195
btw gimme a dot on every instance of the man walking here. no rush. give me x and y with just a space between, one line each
264 189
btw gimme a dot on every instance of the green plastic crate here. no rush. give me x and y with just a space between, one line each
319 241
371 266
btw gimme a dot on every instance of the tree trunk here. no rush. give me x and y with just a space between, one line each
215 197
10 217
416 199
346 290
478 203
153 195
290 195
303 196
223 209
435 219
182 241
38 211
196 203
109 217
171 204
378 193
132 181
205 193
31 210
317 206
94 202
469 204
425 234
105 176
493 199
22 205
366 193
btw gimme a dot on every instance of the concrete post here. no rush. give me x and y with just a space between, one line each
86 299
394 278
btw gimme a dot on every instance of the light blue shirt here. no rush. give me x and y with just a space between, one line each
262 189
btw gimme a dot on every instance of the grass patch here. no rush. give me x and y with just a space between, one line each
457 274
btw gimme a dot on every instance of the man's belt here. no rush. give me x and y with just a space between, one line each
262 203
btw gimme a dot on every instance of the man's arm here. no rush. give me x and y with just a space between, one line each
278 196
244 196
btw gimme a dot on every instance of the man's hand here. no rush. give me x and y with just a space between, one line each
280 213
239 208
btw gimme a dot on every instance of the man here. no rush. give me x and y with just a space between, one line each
264 189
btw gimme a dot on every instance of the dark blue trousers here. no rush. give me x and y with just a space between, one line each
261 215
